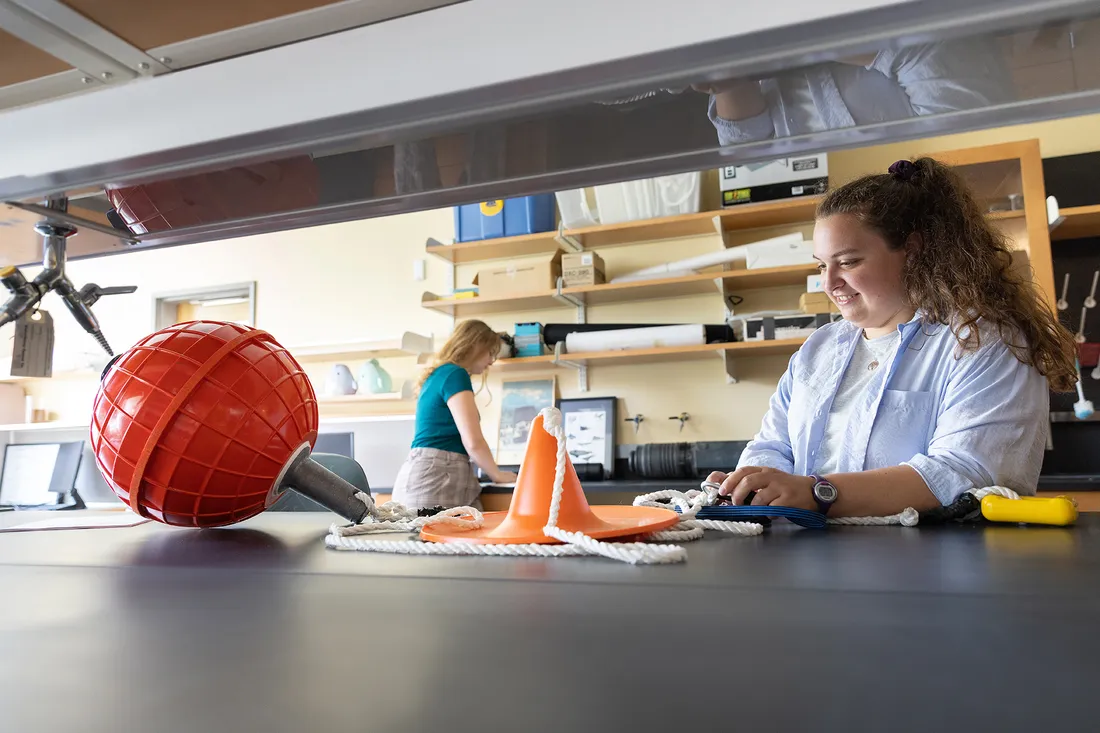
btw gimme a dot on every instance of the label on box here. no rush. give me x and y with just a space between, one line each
33 352
586 258
492 208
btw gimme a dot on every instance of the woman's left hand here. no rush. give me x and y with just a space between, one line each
771 487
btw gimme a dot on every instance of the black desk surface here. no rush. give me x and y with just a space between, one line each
261 628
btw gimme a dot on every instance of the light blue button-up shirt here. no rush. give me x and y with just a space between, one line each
961 420
900 83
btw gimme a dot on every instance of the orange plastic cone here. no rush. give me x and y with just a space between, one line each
530 508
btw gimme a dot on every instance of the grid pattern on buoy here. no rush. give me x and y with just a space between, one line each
221 451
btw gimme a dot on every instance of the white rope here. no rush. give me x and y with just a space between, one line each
907 518
392 517
910 517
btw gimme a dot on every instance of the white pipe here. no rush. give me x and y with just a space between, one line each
710 259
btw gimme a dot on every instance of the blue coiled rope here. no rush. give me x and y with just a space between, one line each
742 513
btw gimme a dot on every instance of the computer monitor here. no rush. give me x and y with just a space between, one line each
39 474
342 444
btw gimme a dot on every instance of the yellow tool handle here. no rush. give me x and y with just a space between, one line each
1058 510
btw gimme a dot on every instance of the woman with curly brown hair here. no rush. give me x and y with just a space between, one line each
936 381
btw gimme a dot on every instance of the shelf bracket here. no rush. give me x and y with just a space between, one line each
717 222
731 367
568 241
581 367
573 300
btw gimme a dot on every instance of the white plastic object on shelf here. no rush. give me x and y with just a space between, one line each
649 198
576 212
688 265
688 334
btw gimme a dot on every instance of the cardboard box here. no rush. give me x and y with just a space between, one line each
803 175
816 303
790 249
528 339
582 268
519 277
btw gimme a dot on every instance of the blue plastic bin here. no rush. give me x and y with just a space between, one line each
510 218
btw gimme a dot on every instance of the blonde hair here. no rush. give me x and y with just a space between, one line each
469 340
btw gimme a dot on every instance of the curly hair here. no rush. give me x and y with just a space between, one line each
962 271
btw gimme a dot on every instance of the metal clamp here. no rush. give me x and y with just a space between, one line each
568 241
581 367
573 300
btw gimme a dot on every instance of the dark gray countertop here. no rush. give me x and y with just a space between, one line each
260 627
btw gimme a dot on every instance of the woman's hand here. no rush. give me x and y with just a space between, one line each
505 477
769 486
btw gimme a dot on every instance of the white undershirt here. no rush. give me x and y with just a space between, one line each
870 356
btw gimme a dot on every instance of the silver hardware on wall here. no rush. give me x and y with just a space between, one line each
638 419
683 417
580 366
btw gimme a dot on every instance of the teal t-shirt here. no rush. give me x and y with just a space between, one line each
435 426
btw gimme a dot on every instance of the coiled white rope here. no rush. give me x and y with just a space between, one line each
392 517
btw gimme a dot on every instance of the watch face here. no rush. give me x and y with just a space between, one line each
825 492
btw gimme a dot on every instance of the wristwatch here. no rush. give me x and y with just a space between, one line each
824 493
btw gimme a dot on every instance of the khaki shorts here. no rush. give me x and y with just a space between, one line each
430 477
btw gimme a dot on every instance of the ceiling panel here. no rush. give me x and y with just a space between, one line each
20 61
149 25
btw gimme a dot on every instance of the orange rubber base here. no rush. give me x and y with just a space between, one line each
604 522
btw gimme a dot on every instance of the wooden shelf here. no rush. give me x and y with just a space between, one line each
408 344
45 426
657 355
463 307
668 287
747 216
737 218
1013 214
405 393
76 374
1079 222
491 249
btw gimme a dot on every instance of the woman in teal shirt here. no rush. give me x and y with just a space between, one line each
438 471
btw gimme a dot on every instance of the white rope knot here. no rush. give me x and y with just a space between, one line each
689 503
910 517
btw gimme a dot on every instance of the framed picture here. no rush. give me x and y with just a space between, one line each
521 403
590 431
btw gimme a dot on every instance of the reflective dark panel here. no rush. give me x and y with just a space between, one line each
899 92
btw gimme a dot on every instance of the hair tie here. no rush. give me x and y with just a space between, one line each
904 170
